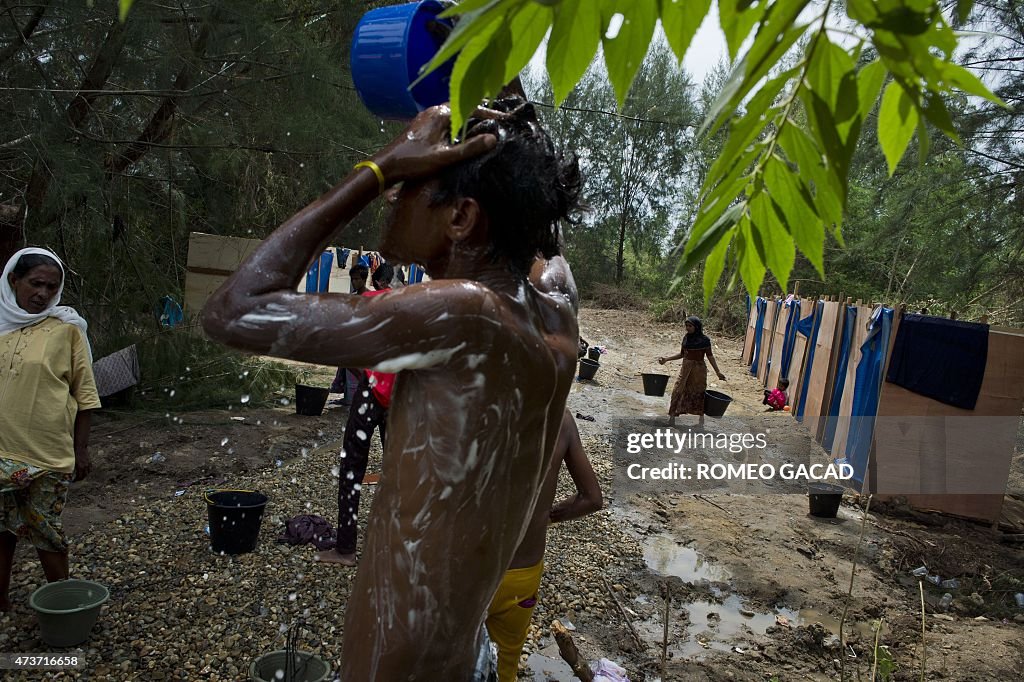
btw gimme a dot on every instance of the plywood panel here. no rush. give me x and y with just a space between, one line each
198 288
748 340
778 342
818 389
796 366
215 255
923 446
767 334
860 334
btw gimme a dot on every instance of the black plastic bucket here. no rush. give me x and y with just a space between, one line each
824 499
235 517
715 403
594 354
654 384
588 368
310 400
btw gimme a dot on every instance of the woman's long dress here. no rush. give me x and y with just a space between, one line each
688 393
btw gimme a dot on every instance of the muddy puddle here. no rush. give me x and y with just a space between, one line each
664 555
546 666
721 622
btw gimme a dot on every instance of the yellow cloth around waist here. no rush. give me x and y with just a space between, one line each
508 618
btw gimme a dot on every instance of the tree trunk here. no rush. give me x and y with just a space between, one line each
620 258
161 122
77 113
99 73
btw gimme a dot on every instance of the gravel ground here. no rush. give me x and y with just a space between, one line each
179 612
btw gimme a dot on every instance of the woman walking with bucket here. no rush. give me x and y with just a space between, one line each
44 355
688 393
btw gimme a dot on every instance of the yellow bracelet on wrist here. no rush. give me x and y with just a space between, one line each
382 184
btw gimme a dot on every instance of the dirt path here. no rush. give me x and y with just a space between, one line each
758 586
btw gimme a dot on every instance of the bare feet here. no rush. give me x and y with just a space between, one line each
333 556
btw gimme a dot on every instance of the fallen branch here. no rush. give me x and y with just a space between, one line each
903 533
625 616
849 592
570 654
704 499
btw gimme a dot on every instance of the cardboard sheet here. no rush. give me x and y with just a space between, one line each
922 446
820 385
748 340
796 367
767 335
778 342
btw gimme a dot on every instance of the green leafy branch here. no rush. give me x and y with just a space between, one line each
780 182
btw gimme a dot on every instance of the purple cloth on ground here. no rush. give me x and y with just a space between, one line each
307 528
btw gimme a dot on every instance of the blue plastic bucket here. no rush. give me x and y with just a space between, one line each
319 276
389 47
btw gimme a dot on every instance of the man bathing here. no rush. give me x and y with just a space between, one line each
486 360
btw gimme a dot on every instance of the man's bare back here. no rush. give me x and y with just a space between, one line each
486 361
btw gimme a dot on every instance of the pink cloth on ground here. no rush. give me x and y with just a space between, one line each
777 399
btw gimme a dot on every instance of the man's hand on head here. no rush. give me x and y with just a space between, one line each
424 148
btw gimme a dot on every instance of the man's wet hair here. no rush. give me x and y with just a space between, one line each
383 275
29 261
523 185
359 271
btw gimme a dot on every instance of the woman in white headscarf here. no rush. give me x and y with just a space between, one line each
46 391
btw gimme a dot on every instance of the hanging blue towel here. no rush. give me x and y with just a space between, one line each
805 326
866 391
789 338
809 327
941 359
342 257
840 378
762 306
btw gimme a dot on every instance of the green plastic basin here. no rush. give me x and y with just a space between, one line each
67 610
270 668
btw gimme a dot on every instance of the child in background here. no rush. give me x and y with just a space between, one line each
778 398
508 618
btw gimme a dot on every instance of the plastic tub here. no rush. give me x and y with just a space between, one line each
270 667
310 400
588 368
824 499
715 403
655 384
389 47
235 517
67 610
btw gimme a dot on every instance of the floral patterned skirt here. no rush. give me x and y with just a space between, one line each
688 393
31 502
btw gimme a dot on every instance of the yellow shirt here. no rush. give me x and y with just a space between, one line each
45 379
